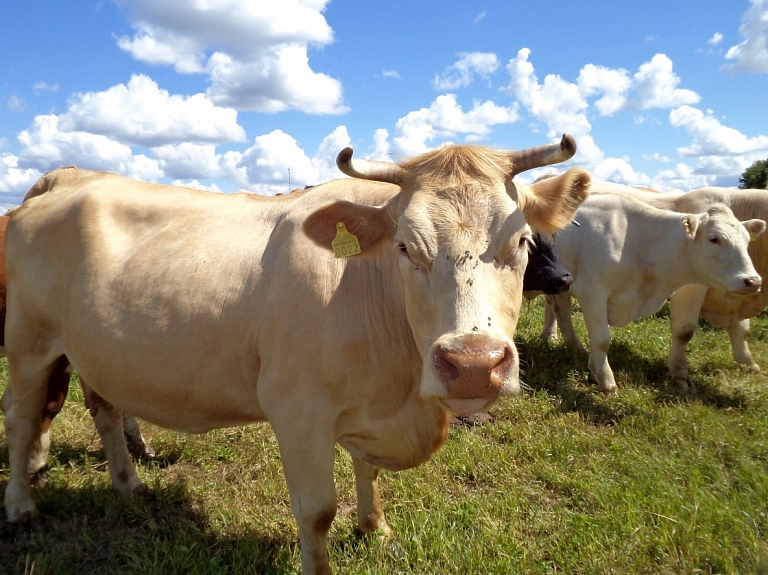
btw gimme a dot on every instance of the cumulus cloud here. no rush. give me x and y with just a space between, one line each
445 118
711 138
655 86
141 113
612 84
14 181
462 73
255 53
751 55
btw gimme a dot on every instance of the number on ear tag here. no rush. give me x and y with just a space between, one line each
344 244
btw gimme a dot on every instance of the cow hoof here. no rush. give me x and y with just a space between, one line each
22 514
681 382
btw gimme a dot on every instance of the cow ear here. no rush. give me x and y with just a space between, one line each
370 224
549 205
754 227
690 224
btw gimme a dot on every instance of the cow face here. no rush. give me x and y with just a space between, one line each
719 249
545 273
461 239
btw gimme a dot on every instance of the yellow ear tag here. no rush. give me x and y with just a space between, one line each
345 244
752 237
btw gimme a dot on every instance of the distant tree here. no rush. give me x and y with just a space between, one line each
755 176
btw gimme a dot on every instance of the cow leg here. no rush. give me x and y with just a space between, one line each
370 515
109 424
562 309
58 387
549 331
738 333
24 403
137 445
595 311
684 308
308 457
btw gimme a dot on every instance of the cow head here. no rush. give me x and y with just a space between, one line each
461 230
718 248
545 273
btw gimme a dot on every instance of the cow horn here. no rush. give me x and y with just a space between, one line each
369 169
524 160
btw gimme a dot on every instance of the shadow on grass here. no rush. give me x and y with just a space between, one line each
563 372
97 530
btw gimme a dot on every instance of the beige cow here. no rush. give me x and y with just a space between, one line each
197 310
627 258
726 309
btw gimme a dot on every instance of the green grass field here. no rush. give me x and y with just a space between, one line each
652 480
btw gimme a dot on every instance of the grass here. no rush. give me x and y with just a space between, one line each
653 480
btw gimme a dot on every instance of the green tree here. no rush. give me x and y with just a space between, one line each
755 176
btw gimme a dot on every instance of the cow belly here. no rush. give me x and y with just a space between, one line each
174 394
625 308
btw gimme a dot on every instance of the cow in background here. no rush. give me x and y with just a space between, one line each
628 257
192 309
722 308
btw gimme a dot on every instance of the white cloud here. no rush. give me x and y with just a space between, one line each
15 180
462 73
620 171
391 74
267 163
141 113
445 118
324 161
556 102
655 86
751 55
255 53
188 161
716 38
41 86
16 103
612 84
711 138
480 17
45 146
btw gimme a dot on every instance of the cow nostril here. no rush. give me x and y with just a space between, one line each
753 282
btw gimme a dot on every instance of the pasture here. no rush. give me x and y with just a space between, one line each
653 480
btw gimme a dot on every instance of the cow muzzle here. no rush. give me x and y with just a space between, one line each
473 369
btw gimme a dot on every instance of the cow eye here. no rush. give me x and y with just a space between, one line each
715 240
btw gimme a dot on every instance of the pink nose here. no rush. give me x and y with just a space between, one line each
473 366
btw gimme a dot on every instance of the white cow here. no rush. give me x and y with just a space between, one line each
627 258
349 313
729 310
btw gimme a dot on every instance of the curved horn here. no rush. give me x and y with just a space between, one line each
524 160
369 169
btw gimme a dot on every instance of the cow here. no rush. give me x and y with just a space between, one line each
628 257
354 313
544 274
729 310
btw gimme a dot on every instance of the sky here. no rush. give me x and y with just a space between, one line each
261 95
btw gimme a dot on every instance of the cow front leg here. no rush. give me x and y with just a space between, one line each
307 451
562 309
370 514
738 333
684 309
109 424
594 307
549 331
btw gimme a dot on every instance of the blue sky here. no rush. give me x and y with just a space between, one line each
232 94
